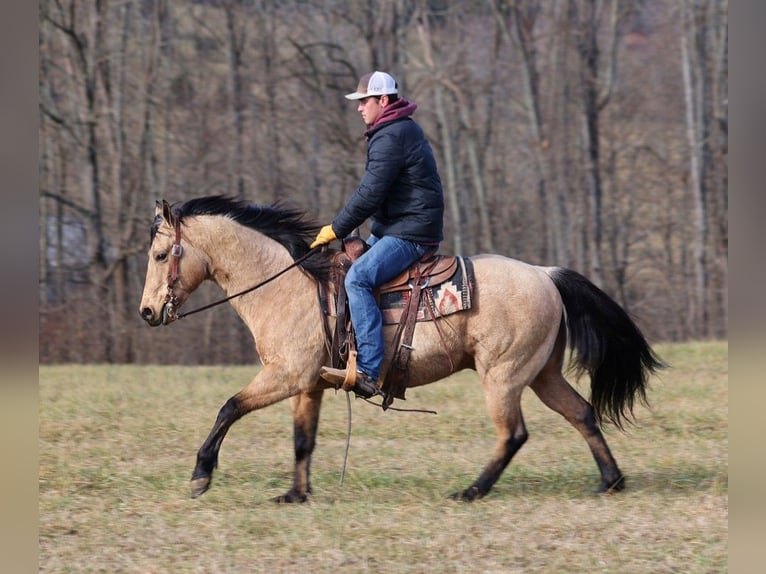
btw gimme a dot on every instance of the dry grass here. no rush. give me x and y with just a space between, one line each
117 446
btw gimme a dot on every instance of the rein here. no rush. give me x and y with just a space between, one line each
176 252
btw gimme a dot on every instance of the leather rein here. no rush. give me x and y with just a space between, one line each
171 301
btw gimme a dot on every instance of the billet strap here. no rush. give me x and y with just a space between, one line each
405 346
397 375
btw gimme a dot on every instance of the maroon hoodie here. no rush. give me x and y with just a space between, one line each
401 108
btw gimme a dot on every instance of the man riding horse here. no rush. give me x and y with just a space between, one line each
402 192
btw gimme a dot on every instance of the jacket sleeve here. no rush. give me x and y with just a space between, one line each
385 158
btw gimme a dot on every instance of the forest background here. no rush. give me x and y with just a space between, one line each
591 134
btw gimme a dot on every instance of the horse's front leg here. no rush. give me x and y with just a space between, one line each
270 386
305 407
207 455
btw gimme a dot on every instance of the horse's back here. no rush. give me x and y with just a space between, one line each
510 284
516 312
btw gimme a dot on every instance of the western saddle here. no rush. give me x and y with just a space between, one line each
432 270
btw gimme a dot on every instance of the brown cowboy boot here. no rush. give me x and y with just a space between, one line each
352 380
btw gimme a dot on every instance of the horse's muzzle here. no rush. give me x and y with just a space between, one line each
147 314
165 316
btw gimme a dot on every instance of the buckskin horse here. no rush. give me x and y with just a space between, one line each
515 335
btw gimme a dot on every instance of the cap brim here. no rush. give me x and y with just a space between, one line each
356 96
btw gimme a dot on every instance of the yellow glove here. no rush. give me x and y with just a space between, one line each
326 234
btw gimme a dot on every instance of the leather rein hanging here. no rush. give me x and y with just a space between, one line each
171 301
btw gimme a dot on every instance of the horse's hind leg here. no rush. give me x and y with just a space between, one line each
305 409
504 408
556 393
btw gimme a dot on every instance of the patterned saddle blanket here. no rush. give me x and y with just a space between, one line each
443 293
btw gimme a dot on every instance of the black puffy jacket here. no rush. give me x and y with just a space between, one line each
401 189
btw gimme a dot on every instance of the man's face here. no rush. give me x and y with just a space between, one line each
371 108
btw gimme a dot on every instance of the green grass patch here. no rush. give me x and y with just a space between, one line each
117 445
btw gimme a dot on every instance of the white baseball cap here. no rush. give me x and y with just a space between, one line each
374 84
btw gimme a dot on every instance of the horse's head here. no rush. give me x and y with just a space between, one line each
174 271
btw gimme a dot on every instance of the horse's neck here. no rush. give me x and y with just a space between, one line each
239 257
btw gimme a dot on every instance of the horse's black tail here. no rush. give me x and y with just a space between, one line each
607 344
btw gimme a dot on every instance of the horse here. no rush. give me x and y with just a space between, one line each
516 334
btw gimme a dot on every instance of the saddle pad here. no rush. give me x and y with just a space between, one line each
452 295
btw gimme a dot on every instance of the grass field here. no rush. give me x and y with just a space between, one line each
117 445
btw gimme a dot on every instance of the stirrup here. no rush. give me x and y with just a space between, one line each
343 378
349 379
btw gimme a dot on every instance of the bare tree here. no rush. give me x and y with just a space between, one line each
236 36
704 48
518 22
596 83
570 132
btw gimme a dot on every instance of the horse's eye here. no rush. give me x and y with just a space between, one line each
161 256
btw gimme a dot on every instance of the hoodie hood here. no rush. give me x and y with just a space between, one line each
400 109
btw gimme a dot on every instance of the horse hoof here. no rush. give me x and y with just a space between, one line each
468 495
291 496
199 486
610 488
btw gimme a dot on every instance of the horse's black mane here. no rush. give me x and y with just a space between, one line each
286 224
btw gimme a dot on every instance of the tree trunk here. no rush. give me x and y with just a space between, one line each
449 167
236 41
692 98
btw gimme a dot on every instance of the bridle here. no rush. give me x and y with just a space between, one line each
171 303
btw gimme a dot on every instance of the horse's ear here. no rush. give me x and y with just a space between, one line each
158 208
163 208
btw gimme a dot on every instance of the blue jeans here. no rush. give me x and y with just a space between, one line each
384 260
